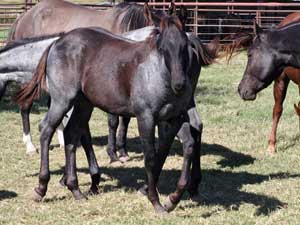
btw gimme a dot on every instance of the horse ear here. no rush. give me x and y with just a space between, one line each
257 29
172 9
183 14
147 14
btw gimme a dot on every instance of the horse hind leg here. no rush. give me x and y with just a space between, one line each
122 139
93 165
113 122
30 148
77 129
48 125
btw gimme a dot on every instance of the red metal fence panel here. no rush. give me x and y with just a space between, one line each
206 19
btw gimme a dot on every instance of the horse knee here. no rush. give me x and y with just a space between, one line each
113 121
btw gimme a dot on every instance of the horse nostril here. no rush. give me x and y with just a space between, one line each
179 86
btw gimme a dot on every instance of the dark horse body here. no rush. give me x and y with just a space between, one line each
91 67
55 16
280 83
269 54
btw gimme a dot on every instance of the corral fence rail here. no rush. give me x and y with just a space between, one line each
206 19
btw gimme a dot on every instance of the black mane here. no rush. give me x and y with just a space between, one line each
134 17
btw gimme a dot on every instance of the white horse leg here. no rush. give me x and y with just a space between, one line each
30 148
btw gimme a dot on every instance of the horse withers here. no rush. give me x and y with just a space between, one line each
92 67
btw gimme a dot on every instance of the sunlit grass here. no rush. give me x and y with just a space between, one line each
241 183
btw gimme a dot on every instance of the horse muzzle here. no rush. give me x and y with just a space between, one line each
179 86
246 93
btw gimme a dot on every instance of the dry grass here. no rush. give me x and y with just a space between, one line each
241 183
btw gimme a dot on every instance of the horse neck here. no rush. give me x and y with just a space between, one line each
287 44
22 58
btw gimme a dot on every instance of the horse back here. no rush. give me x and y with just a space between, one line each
55 16
101 64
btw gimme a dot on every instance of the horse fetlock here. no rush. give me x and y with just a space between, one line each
72 183
169 205
39 193
94 190
160 210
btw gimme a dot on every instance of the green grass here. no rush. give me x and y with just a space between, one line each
241 183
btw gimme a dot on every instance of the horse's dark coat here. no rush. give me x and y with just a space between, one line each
81 73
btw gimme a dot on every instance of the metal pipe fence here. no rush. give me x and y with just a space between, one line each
206 19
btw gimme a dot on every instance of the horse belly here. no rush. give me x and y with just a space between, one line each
108 97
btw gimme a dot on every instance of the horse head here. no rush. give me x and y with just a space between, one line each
173 43
265 63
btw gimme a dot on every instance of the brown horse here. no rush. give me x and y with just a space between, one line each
280 84
55 16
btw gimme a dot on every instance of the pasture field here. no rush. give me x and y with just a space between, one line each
242 184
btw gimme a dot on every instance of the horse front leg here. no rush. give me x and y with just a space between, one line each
279 91
146 128
122 138
194 137
188 147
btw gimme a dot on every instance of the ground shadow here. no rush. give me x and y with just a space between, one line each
7 194
218 187
230 158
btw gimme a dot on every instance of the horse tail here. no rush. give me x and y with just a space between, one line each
12 32
34 88
206 54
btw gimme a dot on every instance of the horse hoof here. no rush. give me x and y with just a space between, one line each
31 150
37 197
79 196
169 205
94 191
124 159
161 211
271 149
